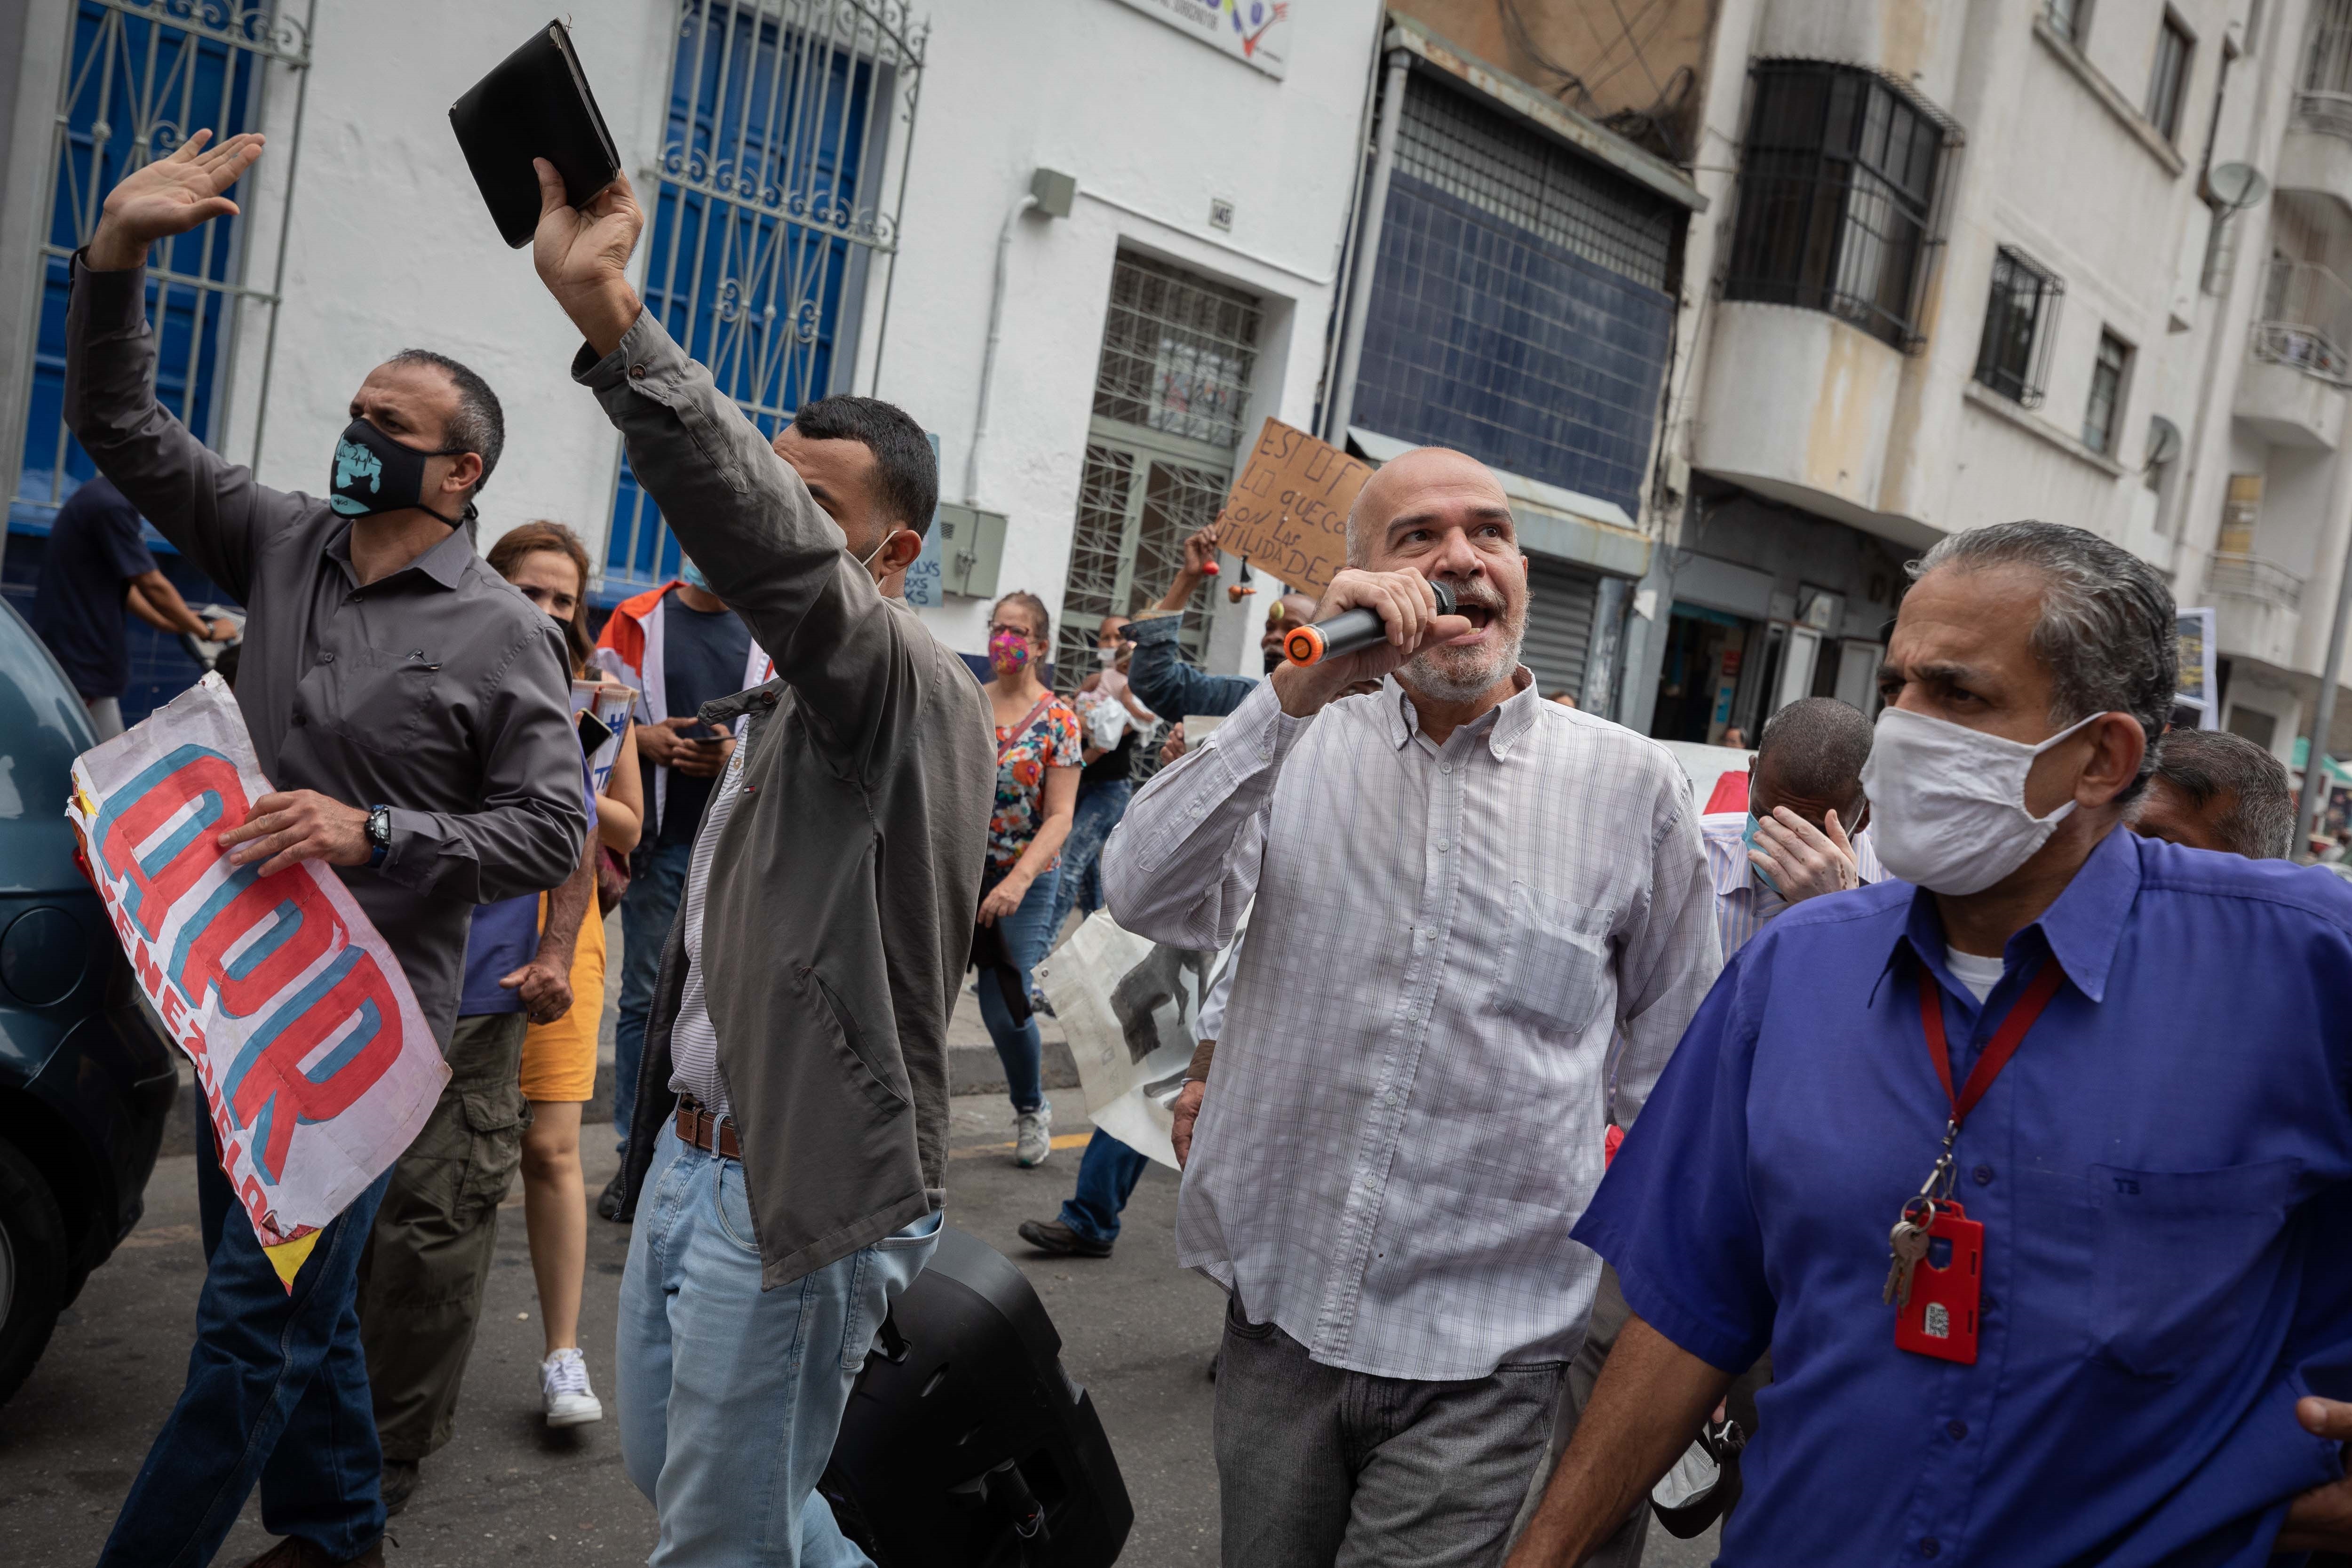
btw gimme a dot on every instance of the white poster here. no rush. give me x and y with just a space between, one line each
317 1065
1130 1009
1256 31
613 704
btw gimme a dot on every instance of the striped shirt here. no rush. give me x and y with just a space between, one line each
1742 902
1407 1107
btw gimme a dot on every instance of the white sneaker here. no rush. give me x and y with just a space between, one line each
1033 1136
563 1382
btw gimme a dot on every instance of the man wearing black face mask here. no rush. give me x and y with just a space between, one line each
413 713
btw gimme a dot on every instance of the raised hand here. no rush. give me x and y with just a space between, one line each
583 256
169 196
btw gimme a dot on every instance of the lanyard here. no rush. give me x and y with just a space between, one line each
2004 1044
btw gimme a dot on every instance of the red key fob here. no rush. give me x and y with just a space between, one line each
1941 1319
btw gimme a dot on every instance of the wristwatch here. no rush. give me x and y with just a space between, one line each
379 833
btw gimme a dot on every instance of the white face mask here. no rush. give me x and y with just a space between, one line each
1948 808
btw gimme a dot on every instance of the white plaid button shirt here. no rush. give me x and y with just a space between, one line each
1742 902
1406 1113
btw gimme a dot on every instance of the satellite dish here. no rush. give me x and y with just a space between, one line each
2163 441
2236 186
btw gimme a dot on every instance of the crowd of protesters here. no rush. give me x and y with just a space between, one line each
1542 1133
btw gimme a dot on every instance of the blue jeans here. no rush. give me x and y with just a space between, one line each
277 1394
731 1397
648 910
1106 1177
1097 812
1028 930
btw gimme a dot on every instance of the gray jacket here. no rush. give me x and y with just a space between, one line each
842 893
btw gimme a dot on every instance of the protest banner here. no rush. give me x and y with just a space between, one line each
611 705
1287 511
1130 1009
317 1065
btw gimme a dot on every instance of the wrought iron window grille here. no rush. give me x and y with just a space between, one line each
1172 389
1842 187
2020 323
775 202
137 79
2110 377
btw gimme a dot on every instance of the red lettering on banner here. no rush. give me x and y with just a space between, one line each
206 773
151 974
175 1011
291 896
277 1081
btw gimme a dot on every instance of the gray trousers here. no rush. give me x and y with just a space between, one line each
429 1255
1610 1312
1318 1465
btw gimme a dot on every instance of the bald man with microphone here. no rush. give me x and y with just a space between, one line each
1463 894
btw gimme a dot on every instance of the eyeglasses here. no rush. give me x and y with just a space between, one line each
999 629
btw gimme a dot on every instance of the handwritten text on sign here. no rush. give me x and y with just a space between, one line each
317 1065
1287 511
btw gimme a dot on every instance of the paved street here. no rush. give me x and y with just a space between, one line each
1136 1331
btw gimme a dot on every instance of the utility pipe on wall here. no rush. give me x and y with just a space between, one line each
988 358
1342 401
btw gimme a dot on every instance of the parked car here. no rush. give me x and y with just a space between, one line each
86 1080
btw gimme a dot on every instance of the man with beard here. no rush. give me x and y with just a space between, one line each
1463 892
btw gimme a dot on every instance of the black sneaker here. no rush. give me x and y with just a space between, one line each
608 1202
1052 1235
399 1481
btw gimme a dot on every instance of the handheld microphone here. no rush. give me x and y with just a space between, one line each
1348 632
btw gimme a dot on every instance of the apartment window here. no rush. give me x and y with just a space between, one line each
2070 19
2107 375
1837 194
2169 83
2020 318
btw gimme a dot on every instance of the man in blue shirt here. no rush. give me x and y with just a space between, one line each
2162 1172
98 566
1159 676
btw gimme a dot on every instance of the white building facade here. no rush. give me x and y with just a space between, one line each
1976 262
832 185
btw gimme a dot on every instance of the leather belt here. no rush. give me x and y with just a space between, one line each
699 1129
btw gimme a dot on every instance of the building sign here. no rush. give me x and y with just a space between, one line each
317 1067
2199 681
1256 31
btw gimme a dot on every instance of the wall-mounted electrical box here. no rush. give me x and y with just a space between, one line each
972 549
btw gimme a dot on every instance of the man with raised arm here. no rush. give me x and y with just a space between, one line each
415 713
789 1154
1464 895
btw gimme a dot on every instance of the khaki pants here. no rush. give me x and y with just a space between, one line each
420 1281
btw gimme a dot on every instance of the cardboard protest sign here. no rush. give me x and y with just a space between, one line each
611 704
317 1065
1130 1009
1287 511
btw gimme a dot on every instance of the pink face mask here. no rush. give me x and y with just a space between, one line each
1007 651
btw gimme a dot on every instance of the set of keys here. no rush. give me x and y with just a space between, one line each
1908 1241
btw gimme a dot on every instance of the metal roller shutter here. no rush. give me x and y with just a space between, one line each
1560 623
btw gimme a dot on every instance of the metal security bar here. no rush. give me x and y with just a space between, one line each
1171 391
2305 319
774 204
1839 183
2020 322
140 77
1500 166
